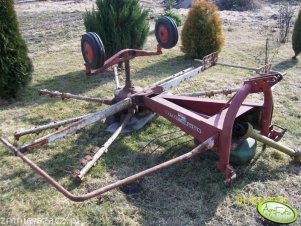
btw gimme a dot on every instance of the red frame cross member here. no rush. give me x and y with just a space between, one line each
122 56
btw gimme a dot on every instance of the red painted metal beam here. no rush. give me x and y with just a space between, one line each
123 56
190 122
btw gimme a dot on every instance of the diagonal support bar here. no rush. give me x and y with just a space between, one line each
266 69
55 125
104 148
174 80
177 80
73 96
172 77
72 128
210 93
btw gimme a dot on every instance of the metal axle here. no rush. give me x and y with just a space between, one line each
72 96
250 132
211 93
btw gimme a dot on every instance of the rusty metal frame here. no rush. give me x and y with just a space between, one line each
209 121
208 144
202 118
75 126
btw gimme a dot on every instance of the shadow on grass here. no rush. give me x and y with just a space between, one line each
285 65
178 188
188 192
74 82
78 83
164 68
191 191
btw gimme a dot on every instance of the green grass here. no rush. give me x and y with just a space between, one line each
189 193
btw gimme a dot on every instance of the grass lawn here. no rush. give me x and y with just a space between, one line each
189 193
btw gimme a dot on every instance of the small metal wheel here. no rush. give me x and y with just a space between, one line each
93 50
166 32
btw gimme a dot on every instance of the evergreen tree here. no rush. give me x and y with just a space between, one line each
202 30
15 65
297 36
119 23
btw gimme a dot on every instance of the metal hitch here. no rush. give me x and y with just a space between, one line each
248 131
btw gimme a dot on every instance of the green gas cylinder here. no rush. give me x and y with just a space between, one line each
242 150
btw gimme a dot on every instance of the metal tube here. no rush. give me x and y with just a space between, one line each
237 66
38 129
206 145
172 76
177 80
72 96
210 93
116 78
128 82
257 70
263 139
72 128
104 148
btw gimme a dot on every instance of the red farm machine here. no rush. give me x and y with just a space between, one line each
217 125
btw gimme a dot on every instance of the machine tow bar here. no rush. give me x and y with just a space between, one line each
246 130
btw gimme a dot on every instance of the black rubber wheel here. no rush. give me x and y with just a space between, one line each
93 50
166 32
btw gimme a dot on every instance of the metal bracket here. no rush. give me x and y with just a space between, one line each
277 135
264 69
262 83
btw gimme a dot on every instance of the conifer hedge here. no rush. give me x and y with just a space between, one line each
202 30
15 65
119 23
296 39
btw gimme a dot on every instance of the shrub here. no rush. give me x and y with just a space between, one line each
119 23
240 5
174 16
297 36
286 13
15 65
202 30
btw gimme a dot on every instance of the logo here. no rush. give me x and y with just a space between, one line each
277 212
182 119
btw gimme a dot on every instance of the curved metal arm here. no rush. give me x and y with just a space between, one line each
208 144
254 85
123 56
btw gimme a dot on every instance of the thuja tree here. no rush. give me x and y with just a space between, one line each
119 23
15 65
297 36
202 30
